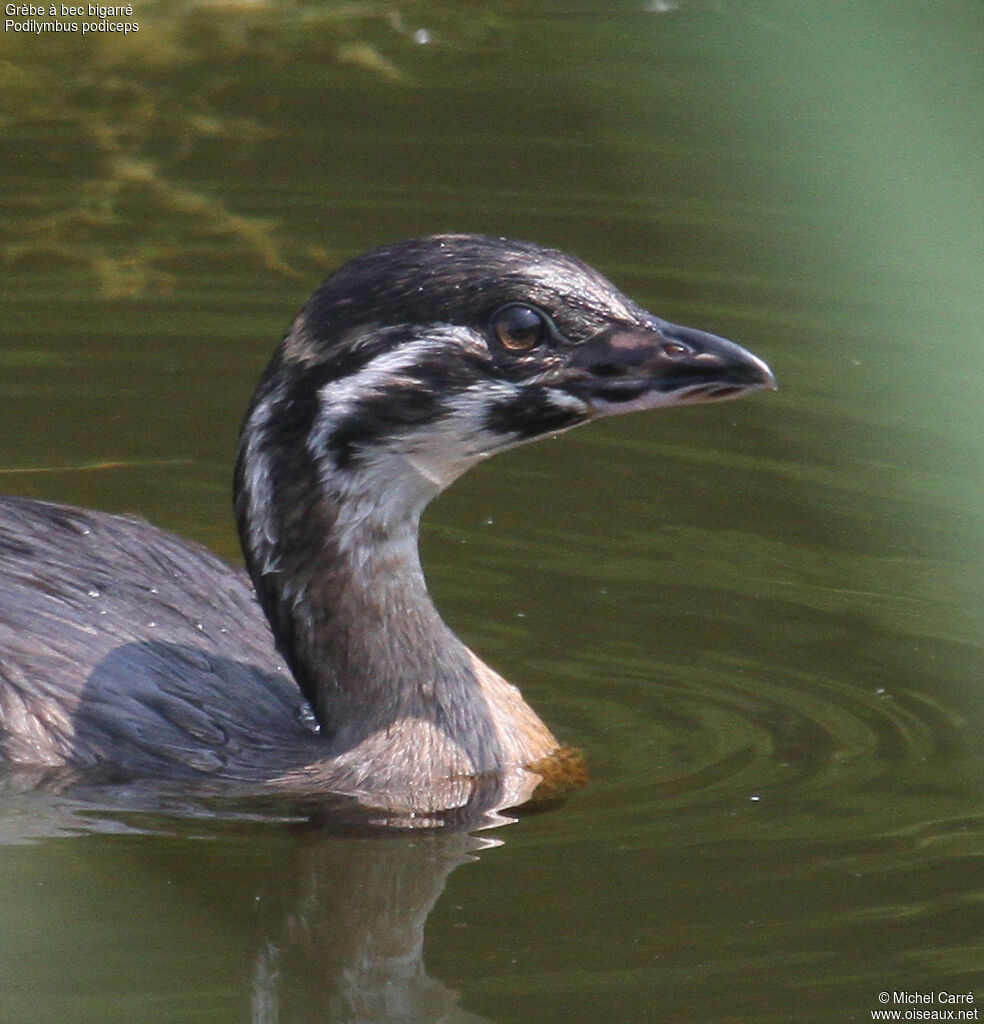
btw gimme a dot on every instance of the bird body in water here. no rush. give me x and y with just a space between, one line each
127 650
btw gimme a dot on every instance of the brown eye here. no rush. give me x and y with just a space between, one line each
519 328
675 350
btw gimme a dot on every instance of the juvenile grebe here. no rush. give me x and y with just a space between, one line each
124 647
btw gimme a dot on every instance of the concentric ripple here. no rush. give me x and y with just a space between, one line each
683 738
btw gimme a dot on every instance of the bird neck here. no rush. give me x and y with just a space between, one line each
334 556
371 646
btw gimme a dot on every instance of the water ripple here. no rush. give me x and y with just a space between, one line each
679 738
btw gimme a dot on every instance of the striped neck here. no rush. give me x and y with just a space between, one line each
332 546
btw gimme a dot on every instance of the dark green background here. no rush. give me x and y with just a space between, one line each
761 621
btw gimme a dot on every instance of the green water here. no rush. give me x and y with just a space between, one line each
761 621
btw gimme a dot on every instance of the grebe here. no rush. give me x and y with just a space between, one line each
126 649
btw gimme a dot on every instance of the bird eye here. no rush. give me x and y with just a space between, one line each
519 328
676 350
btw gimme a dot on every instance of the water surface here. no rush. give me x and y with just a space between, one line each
761 621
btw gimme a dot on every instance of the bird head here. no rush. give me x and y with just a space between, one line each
418 359
407 366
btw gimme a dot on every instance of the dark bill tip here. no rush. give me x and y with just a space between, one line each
625 370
